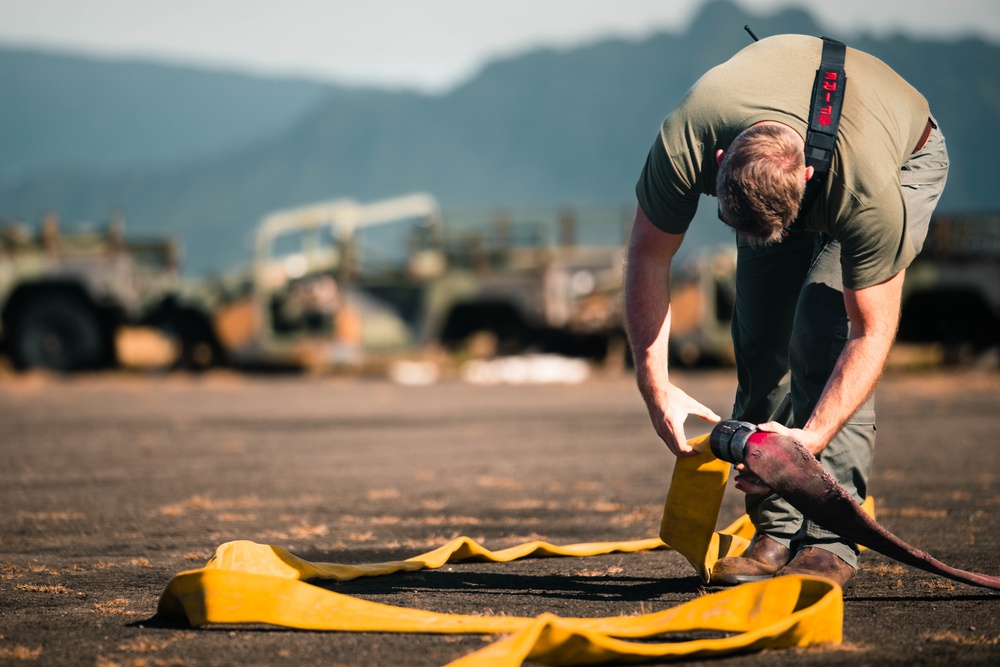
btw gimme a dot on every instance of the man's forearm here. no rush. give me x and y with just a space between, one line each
647 301
647 318
854 378
874 315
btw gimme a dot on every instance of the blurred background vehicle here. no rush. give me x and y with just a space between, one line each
343 284
64 297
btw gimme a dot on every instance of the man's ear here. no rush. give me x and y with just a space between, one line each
718 156
809 172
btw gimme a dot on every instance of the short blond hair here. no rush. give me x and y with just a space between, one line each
761 182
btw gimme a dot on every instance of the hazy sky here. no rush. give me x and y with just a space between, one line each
427 44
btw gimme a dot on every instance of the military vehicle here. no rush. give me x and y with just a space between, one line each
65 296
951 296
299 305
340 282
330 284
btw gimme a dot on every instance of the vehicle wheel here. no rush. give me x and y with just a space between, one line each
200 348
59 332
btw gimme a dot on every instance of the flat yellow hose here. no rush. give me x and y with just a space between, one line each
247 582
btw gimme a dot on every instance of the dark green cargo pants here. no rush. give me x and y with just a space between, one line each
790 326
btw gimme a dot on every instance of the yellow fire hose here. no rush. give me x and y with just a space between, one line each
245 582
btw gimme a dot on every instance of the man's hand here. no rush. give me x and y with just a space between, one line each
812 442
669 410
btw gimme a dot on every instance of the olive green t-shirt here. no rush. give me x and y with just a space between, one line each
861 206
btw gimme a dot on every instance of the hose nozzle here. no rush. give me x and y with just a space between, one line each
729 438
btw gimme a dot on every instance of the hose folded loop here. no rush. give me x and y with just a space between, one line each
795 475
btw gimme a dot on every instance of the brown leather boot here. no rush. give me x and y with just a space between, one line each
817 562
761 560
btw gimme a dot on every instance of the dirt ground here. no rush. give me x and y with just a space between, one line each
110 484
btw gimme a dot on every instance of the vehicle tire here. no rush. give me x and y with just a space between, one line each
58 332
502 321
199 346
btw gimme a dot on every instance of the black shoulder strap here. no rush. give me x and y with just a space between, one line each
824 118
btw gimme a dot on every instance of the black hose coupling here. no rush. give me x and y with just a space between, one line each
729 438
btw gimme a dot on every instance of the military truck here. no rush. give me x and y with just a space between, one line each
300 304
951 296
339 282
65 296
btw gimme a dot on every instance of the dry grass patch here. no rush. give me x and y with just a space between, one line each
19 653
520 521
892 573
198 556
367 536
113 607
606 572
57 589
951 637
525 504
491 482
207 503
383 494
843 647
434 541
886 569
914 513
607 506
305 531
349 518
104 661
146 644
432 505
53 516
269 535
172 510
234 517
444 521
